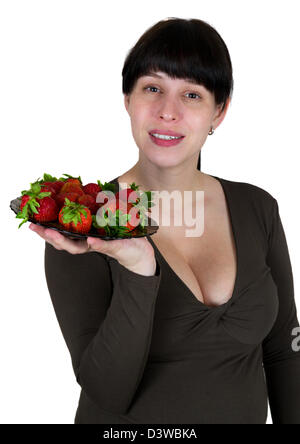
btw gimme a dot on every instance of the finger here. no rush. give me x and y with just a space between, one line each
41 231
102 246
62 242
48 235
59 241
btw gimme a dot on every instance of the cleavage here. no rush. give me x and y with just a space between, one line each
205 264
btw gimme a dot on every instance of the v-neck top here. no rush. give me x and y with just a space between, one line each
236 243
145 350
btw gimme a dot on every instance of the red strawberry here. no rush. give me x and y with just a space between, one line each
71 179
51 181
88 201
75 217
129 194
92 188
74 182
70 187
37 204
48 210
57 184
60 198
117 212
66 225
101 231
102 196
134 220
48 188
24 201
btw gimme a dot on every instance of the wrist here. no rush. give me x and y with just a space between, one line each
148 269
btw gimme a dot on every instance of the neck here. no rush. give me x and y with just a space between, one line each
169 179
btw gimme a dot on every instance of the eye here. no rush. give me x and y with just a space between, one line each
151 87
195 94
154 87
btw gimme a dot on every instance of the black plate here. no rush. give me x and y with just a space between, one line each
137 232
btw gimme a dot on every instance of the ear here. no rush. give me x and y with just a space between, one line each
126 101
219 115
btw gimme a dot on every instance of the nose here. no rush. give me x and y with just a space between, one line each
169 110
167 117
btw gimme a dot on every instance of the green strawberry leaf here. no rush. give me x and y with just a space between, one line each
70 177
107 186
134 187
35 187
25 220
49 178
44 194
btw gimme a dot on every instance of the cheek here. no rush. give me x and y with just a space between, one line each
141 118
200 121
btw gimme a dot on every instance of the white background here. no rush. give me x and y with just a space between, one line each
62 111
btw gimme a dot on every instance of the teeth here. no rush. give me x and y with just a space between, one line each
161 136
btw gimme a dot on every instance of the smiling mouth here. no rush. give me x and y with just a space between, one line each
165 137
165 142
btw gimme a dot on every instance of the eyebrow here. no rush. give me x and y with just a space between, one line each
187 80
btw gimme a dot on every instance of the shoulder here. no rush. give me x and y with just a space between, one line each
254 205
250 191
251 199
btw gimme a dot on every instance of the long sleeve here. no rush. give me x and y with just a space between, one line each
106 323
281 361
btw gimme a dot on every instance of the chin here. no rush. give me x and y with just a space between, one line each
163 161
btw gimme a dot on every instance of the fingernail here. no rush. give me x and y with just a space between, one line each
32 227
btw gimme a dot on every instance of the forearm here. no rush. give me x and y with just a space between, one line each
145 269
112 365
105 313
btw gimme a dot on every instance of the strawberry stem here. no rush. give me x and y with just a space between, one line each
70 177
32 204
72 211
107 186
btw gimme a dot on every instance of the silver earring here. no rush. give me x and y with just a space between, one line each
211 131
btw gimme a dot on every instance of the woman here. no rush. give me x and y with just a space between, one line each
175 329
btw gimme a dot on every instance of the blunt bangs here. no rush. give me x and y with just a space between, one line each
188 49
183 49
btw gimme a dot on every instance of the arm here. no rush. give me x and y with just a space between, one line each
106 325
281 362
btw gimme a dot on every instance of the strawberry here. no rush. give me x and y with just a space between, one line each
134 196
60 198
24 201
48 210
129 194
48 188
115 218
102 198
52 181
88 201
37 204
100 230
121 205
75 217
57 184
71 179
133 222
70 187
92 188
98 190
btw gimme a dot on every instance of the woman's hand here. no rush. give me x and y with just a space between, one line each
136 254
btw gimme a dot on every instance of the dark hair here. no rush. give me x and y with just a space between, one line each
189 49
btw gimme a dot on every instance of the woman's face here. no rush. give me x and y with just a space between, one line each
164 103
